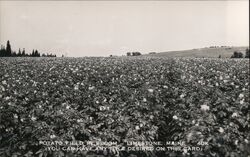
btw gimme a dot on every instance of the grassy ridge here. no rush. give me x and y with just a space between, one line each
225 52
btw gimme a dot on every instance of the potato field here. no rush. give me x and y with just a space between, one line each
202 102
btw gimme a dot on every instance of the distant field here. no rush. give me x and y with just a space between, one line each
225 52
202 102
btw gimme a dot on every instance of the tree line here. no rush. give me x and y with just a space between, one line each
133 53
7 52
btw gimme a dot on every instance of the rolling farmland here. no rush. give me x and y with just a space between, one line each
225 52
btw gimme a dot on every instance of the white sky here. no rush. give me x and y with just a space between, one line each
101 28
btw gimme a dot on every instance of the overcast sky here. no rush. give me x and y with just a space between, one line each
101 28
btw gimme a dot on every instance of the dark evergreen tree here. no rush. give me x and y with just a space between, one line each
2 51
14 54
247 53
36 54
33 53
19 53
23 52
8 49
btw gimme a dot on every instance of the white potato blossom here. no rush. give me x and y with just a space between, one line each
15 116
236 142
76 87
235 115
241 95
151 117
4 82
137 127
52 136
175 117
79 120
33 118
105 100
3 89
7 98
150 90
225 81
231 124
242 101
221 130
205 107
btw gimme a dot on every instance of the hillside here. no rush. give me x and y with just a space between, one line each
225 52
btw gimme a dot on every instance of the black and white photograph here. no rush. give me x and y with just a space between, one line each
124 78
